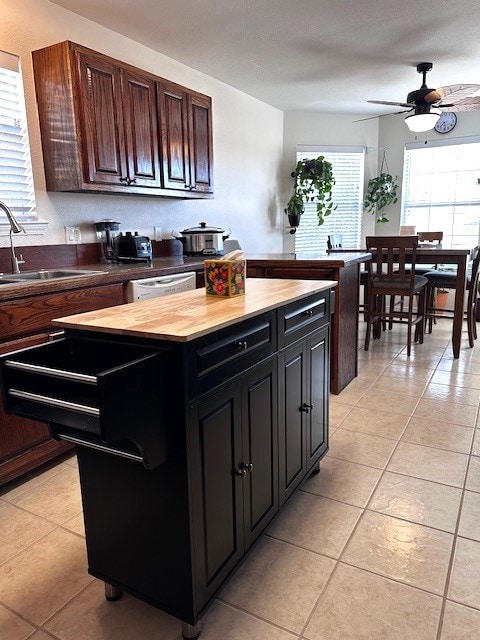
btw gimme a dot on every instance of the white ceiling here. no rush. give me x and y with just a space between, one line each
314 55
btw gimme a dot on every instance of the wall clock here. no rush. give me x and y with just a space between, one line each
446 122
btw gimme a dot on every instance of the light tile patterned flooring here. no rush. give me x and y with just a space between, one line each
383 544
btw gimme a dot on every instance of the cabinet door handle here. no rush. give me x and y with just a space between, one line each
124 180
245 467
241 345
308 313
131 181
306 407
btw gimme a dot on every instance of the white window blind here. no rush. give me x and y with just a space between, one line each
440 190
16 182
348 171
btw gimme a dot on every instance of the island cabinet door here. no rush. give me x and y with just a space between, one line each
317 394
260 449
216 487
292 422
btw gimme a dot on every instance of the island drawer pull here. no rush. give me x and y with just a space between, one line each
100 447
48 371
54 402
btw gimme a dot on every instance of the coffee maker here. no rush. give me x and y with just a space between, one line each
106 231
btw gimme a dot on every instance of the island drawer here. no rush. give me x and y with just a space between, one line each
93 392
216 358
301 317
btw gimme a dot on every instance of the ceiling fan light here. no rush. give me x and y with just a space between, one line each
423 121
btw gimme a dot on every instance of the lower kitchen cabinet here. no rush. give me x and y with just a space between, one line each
303 409
242 417
234 473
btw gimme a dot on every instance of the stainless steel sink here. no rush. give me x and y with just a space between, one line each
47 274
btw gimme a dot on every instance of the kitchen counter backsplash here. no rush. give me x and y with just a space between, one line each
56 256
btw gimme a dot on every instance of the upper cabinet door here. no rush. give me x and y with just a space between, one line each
141 132
101 120
109 127
200 143
174 135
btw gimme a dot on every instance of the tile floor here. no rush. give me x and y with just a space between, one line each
383 544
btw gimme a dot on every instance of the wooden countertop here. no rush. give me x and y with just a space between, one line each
188 315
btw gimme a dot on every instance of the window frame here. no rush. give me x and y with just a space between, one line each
18 143
333 224
473 200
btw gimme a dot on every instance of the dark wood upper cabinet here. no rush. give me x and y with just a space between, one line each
109 127
186 126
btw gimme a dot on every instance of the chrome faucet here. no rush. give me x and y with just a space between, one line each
14 228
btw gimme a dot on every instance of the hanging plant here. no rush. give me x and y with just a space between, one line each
381 192
313 183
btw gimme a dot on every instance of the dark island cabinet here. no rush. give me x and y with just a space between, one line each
303 409
234 473
109 127
219 432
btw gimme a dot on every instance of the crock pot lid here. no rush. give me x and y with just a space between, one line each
203 228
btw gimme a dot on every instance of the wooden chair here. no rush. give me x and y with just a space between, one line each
447 280
387 276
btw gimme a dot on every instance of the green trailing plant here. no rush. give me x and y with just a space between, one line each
314 182
381 192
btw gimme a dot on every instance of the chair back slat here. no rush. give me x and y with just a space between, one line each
430 236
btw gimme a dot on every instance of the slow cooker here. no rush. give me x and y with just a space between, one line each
203 240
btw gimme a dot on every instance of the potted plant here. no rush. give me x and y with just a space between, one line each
441 297
313 183
381 192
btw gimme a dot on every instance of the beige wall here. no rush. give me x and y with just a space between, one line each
327 129
248 142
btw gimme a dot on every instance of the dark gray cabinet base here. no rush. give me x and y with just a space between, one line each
194 447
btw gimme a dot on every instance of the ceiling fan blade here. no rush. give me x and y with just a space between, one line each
380 115
393 104
468 104
452 93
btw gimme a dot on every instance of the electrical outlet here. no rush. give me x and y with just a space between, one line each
157 233
73 235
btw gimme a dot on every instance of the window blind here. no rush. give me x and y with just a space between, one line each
440 190
348 171
16 181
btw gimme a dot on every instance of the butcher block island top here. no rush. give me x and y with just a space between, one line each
191 314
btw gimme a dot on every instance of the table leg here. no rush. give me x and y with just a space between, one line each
459 300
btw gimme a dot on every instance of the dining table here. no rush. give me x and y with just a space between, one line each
436 254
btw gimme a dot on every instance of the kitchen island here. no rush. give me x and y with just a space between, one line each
342 267
195 418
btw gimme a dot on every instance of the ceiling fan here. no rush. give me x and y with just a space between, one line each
428 104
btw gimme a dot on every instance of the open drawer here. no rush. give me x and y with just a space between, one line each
95 392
